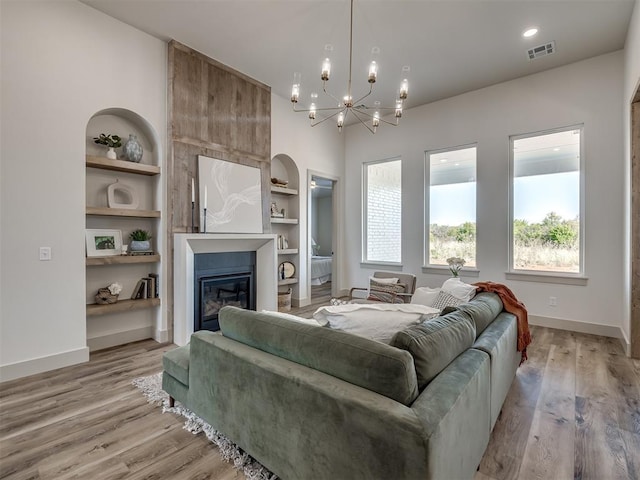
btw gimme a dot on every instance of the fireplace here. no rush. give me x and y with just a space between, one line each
187 246
222 279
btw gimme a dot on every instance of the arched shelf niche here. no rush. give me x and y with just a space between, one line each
287 227
128 319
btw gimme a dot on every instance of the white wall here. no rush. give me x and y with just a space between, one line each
631 84
62 62
587 92
319 149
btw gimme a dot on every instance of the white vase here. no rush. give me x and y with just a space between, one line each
111 153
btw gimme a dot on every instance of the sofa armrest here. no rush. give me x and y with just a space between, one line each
454 410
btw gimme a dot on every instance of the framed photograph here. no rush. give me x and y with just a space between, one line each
103 243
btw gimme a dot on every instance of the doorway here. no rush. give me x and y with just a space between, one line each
322 235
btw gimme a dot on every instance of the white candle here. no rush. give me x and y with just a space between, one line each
193 191
205 196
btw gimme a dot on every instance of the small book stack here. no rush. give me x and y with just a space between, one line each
147 287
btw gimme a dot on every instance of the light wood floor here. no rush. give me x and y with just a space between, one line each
573 412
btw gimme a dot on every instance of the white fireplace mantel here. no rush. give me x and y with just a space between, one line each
188 244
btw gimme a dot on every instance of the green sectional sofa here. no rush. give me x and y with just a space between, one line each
311 403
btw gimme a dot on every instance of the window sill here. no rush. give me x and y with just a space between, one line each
444 270
558 278
393 266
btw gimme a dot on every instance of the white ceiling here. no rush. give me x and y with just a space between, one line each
451 46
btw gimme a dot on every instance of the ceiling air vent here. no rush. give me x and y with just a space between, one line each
542 50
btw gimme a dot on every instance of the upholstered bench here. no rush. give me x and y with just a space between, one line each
175 375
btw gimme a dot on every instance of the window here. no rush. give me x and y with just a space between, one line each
382 211
546 230
452 205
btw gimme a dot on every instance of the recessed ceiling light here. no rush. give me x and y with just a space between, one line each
556 149
443 160
529 32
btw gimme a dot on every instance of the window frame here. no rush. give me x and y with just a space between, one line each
365 213
434 268
548 276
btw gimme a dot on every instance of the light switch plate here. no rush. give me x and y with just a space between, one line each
45 253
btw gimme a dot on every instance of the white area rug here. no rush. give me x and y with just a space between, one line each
151 387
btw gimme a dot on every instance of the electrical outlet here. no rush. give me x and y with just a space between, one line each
553 301
45 253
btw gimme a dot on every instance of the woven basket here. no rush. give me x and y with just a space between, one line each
105 297
284 301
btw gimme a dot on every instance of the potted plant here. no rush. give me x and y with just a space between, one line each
110 141
140 241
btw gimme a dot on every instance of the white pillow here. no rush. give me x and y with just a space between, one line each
424 296
445 299
383 280
378 322
459 289
295 318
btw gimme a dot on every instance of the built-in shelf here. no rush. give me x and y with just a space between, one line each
289 221
121 166
288 281
94 309
283 190
123 212
122 259
288 251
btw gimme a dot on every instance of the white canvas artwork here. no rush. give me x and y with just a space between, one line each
233 196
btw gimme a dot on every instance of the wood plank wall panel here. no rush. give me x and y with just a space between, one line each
635 227
218 112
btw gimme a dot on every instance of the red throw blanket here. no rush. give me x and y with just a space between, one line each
512 305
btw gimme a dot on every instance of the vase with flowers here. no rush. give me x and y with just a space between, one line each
455 264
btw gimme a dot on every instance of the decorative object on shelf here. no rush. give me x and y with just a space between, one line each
132 149
279 183
286 270
358 109
284 301
110 141
283 243
275 211
103 242
108 294
455 264
140 241
127 193
235 205
125 249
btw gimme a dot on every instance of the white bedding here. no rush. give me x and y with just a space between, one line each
320 270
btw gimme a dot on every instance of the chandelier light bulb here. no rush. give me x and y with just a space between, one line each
340 121
404 89
398 108
326 70
375 121
295 89
373 72
312 111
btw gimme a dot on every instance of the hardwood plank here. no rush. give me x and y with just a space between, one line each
105 163
600 449
122 212
94 309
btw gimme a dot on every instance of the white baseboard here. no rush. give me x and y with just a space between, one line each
120 338
301 302
574 326
626 343
33 366
163 336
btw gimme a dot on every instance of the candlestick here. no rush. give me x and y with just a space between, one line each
204 225
193 208
205 196
193 191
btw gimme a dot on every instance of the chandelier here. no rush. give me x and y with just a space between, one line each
369 116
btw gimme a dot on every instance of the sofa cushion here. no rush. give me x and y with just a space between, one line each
176 363
484 308
434 344
360 361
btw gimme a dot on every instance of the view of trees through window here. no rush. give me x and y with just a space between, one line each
546 202
452 205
